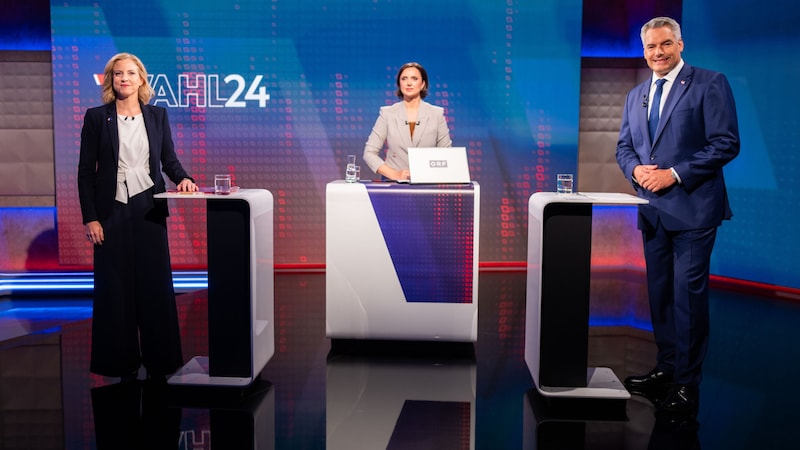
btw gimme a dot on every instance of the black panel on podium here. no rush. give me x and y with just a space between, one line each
568 227
229 284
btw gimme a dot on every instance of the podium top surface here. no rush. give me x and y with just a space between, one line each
539 200
208 193
407 188
259 200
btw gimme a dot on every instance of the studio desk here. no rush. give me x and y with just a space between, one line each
402 261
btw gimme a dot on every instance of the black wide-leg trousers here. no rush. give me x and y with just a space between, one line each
135 318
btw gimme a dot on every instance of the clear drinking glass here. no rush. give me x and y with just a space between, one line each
350 170
564 183
222 184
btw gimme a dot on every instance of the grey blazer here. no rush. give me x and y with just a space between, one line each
392 129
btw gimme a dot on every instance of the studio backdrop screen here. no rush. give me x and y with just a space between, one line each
278 93
750 44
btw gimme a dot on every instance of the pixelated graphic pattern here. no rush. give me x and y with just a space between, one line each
430 239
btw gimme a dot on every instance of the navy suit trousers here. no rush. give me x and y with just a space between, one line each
678 265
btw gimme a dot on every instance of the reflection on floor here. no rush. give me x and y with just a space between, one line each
315 395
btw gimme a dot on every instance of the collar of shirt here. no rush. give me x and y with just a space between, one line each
670 77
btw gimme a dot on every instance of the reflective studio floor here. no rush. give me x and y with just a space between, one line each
313 396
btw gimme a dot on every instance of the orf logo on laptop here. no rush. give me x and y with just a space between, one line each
437 163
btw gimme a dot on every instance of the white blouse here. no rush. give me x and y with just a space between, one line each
133 173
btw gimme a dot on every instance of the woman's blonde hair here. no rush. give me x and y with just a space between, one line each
145 90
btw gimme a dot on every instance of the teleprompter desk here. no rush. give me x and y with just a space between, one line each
241 326
557 313
402 261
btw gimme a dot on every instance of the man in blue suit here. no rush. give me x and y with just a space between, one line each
677 167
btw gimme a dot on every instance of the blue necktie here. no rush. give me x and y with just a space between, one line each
655 105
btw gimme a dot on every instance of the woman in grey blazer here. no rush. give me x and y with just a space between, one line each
411 122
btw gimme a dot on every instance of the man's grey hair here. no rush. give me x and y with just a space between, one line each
659 22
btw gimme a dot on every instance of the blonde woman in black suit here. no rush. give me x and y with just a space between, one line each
125 145
411 122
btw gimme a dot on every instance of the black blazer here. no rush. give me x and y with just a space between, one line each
99 157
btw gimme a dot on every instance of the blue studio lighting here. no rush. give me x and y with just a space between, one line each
79 282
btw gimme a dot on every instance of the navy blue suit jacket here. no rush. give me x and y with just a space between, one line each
99 158
698 134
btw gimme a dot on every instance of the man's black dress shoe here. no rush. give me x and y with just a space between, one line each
681 399
653 382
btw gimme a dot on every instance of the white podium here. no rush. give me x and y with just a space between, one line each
402 261
241 326
557 313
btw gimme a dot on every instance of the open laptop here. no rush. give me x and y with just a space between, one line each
438 165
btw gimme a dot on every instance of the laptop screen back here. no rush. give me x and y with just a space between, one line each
437 165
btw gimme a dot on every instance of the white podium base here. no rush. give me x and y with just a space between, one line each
601 383
195 373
